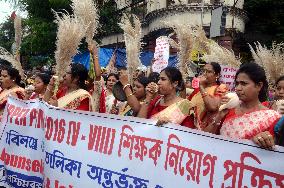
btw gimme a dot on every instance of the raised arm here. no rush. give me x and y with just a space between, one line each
94 52
132 101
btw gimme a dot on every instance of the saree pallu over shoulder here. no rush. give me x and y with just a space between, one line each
200 111
176 112
5 93
73 100
248 125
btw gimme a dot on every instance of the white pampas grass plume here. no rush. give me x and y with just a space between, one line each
86 11
5 55
221 55
272 60
184 34
110 68
201 42
132 38
233 102
18 31
173 43
69 35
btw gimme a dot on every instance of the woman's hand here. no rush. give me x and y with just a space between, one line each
264 140
162 121
123 78
151 90
222 114
224 100
53 101
51 83
114 110
93 48
28 93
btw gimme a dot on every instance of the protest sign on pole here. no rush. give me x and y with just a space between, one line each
162 54
228 76
42 146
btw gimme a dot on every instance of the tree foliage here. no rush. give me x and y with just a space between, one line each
265 24
266 20
109 19
7 34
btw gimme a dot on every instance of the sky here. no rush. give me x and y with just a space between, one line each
6 9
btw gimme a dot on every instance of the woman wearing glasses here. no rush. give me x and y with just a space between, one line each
73 94
207 97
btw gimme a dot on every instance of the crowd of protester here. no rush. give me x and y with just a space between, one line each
166 97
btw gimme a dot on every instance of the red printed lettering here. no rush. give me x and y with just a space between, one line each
40 120
49 128
74 128
21 162
55 130
101 139
33 116
56 184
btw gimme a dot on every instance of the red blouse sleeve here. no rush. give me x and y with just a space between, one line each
60 93
20 95
152 106
188 122
84 105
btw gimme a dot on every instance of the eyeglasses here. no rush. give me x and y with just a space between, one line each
205 71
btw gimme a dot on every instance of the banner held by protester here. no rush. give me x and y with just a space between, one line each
42 146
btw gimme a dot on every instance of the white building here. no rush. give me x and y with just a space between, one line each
197 12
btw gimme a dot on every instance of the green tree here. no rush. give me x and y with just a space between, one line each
7 34
40 31
266 21
109 18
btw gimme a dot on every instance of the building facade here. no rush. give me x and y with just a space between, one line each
154 14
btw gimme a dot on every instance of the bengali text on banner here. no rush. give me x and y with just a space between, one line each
43 146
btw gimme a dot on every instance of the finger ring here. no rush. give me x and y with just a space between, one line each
269 135
259 137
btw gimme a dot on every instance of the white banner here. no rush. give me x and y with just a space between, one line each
228 76
162 54
42 145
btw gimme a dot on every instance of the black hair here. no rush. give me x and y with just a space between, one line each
280 136
217 69
143 80
154 77
257 74
14 74
175 75
44 77
279 80
189 78
112 74
79 71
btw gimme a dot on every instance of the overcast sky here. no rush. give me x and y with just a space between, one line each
6 9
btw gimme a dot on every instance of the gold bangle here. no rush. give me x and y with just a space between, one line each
125 86
129 95
147 102
205 94
49 90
